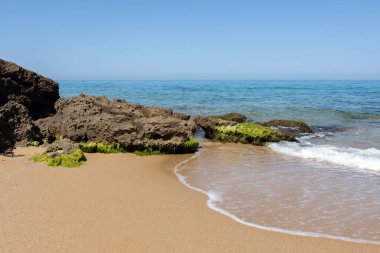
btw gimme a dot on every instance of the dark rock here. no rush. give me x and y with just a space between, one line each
35 92
88 118
16 127
289 126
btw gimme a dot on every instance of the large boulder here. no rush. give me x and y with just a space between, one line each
96 119
35 92
16 127
289 126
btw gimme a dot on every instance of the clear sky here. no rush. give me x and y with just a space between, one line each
267 39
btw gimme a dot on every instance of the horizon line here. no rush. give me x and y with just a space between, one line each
86 80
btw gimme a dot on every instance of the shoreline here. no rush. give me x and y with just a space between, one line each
210 197
123 202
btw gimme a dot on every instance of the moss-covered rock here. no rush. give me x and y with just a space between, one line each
250 133
99 147
73 159
209 123
35 144
147 152
188 146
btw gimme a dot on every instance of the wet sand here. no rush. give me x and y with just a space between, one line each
126 203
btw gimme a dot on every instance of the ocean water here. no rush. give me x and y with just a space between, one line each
327 185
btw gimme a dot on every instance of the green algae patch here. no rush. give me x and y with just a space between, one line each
99 147
35 144
188 146
147 152
73 159
249 133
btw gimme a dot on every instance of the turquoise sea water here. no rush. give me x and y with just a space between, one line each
318 102
325 185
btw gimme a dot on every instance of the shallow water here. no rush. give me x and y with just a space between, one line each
327 184
272 190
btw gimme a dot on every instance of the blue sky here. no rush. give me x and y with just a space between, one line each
193 39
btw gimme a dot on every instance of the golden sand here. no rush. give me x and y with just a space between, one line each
126 203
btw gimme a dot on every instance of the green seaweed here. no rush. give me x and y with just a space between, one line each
59 138
35 144
188 146
73 159
147 152
99 147
249 133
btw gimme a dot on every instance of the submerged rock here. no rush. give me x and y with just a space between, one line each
289 126
37 93
134 127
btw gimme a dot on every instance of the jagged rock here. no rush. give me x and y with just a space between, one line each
16 127
35 92
88 118
289 126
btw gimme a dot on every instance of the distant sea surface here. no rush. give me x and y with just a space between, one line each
327 185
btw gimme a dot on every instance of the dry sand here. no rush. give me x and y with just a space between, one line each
126 203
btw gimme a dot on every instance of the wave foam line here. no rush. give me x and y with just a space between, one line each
351 157
213 197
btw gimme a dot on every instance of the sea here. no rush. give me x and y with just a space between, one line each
326 185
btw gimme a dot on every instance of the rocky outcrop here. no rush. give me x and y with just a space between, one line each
289 126
24 96
209 123
37 93
16 127
250 133
233 128
135 127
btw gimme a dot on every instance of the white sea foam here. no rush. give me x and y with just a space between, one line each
352 157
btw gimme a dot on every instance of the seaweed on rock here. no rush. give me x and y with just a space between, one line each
73 159
250 133
100 147
189 146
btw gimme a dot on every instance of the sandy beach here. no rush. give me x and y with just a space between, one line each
125 203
